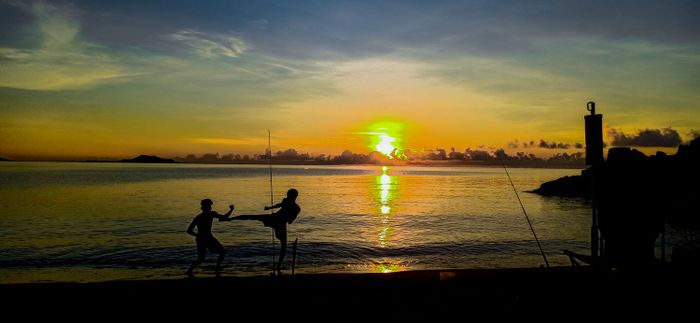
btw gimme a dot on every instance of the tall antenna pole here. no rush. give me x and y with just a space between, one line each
272 199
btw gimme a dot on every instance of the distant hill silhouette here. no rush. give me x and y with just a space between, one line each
148 159
3 159
437 157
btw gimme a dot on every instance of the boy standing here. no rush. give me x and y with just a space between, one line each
205 239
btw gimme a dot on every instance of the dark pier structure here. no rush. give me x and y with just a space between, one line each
635 199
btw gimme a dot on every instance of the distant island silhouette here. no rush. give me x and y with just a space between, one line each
148 159
437 157
490 157
440 157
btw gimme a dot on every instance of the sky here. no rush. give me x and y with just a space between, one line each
83 79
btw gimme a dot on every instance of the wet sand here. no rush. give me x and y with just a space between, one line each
413 295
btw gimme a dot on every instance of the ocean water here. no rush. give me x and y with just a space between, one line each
103 221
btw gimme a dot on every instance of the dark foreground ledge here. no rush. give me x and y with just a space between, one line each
413 295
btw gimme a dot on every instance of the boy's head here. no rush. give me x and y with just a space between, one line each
206 204
292 194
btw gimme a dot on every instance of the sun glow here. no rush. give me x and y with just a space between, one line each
386 137
385 145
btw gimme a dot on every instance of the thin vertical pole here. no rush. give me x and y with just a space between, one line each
272 199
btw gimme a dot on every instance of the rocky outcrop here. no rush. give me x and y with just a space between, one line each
568 186
672 170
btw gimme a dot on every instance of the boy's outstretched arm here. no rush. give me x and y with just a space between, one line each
225 216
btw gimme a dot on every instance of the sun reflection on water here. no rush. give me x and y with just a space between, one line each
386 192
385 209
387 187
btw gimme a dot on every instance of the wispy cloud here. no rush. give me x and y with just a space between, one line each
214 69
62 61
210 45
547 82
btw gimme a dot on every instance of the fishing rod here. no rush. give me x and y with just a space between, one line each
272 199
524 212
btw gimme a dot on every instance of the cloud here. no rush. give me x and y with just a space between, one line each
694 134
359 29
61 61
552 145
210 45
543 144
665 137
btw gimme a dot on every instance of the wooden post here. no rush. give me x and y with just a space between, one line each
294 255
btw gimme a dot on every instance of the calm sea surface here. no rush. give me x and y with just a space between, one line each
103 221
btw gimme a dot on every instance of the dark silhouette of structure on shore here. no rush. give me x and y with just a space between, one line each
634 197
637 196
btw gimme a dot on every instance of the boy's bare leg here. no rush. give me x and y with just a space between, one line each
218 262
193 266
249 217
283 252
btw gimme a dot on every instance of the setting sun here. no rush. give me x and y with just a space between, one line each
386 137
385 145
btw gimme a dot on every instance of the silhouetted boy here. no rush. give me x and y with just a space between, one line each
278 221
205 239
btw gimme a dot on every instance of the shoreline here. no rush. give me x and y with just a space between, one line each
423 294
